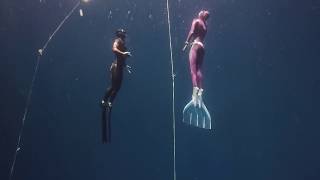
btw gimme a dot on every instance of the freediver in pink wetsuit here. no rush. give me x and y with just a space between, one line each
195 38
195 112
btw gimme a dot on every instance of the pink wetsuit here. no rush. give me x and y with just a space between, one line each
197 33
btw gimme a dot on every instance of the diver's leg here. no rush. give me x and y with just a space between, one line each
105 116
199 61
108 94
193 65
116 82
106 102
193 70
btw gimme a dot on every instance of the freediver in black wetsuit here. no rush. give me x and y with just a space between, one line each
116 69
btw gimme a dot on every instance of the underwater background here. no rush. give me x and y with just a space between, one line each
261 81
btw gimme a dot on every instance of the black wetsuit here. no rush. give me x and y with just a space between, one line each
116 70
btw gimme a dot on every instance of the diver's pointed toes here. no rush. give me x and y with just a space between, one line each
106 104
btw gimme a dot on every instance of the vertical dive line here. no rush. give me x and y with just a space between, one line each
30 91
59 26
26 110
173 98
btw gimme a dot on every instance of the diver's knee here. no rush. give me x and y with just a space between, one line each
199 73
193 73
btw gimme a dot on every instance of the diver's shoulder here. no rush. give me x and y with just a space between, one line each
196 20
119 41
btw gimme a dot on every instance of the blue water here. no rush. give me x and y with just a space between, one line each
261 82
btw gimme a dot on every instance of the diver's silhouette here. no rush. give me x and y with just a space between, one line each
116 69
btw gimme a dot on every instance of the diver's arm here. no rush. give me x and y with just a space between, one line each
191 32
116 50
190 35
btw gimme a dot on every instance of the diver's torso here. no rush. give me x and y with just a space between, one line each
120 59
200 30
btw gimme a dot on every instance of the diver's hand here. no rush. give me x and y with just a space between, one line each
127 54
129 69
186 44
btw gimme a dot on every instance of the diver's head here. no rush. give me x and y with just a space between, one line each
121 33
204 15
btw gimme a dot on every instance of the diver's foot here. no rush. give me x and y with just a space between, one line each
195 97
195 100
106 104
200 92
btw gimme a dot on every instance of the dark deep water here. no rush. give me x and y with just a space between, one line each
262 84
